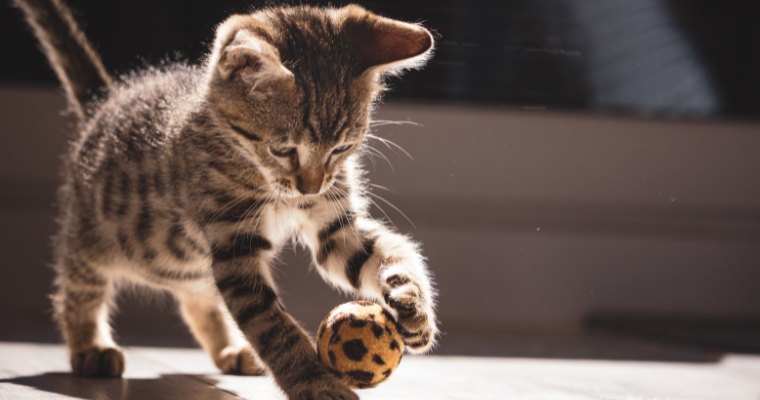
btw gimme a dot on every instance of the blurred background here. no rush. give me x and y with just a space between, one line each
583 174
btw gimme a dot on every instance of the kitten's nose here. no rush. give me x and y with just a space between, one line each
310 183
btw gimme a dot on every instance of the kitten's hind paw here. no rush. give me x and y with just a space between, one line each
240 361
103 362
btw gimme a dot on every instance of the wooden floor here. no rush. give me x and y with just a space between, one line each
40 371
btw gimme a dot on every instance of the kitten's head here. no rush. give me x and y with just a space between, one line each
292 88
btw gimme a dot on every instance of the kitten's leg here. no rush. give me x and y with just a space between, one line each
82 307
359 254
214 329
241 272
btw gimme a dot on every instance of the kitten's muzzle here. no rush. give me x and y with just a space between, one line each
309 182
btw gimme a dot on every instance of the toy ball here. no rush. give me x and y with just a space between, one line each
360 340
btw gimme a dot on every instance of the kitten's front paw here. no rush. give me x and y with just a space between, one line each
104 362
240 361
416 320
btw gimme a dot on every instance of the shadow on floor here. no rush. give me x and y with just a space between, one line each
168 387
590 344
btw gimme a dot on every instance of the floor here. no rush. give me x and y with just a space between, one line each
40 371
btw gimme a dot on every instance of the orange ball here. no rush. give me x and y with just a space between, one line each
360 340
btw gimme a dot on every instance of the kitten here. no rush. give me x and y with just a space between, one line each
192 178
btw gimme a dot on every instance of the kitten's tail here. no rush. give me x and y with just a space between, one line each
71 55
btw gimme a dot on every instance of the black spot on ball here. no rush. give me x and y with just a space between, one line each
378 330
331 355
355 349
361 376
387 373
335 338
378 360
394 345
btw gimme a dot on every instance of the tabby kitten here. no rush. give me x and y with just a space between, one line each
192 178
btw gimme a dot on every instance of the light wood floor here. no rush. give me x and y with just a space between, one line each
40 371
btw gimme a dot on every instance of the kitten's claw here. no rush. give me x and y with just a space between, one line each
240 361
103 362
416 322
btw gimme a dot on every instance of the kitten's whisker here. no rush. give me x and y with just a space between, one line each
232 204
255 209
380 154
390 143
370 136
330 195
383 211
224 209
391 204
255 217
383 187
344 207
383 122
247 212
339 214
334 199
371 159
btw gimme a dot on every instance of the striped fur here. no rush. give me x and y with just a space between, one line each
192 178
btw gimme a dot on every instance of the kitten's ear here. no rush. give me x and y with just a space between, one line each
386 44
251 60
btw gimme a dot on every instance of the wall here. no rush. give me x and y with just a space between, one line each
530 220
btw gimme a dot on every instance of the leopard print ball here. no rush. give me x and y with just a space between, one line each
361 341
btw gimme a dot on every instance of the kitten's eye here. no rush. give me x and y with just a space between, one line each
287 152
343 149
